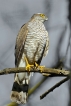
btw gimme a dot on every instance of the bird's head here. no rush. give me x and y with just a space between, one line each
40 16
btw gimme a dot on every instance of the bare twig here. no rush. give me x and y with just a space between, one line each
55 86
12 104
55 72
46 72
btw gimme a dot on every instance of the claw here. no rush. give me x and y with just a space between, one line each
41 68
28 67
36 65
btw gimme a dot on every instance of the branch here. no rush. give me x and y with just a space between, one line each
12 104
54 72
60 66
55 86
46 72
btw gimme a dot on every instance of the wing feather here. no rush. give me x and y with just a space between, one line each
20 41
46 46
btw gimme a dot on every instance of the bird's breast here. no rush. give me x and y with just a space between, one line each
35 39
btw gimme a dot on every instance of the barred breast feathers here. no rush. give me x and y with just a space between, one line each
37 36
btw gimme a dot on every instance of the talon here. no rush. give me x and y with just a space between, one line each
36 65
41 68
28 66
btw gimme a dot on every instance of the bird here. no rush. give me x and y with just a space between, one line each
32 44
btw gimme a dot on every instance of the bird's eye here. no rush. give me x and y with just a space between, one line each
42 15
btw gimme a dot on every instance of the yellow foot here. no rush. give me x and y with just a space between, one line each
36 65
28 67
41 68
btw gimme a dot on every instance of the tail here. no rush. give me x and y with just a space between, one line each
19 93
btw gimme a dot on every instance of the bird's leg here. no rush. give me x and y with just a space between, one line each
41 68
28 66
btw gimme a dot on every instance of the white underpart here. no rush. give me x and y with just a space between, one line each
36 37
22 64
23 75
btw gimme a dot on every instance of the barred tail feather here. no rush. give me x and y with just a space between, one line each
19 93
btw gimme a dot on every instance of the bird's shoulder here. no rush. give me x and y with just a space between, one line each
20 40
22 33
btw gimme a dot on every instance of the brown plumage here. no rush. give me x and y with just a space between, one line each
20 41
32 43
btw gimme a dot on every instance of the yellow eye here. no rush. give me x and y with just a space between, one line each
42 15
